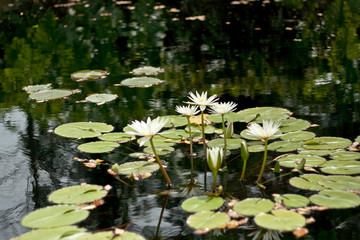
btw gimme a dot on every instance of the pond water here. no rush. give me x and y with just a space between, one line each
298 55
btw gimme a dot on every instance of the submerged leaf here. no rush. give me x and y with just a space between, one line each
78 194
54 216
202 203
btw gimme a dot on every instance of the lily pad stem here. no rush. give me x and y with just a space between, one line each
191 148
166 176
264 162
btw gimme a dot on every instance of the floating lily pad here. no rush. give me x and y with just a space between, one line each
83 129
293 200
160 141
357 139
293 160
52 233
147 70
51 94
89 75
298 136
54 216
253 206
160 150
37 88
207 220
137 154
78 194
284 146
137 168
308 182
327 143
202 203
345 156
228 117
282 220
195 129
98 147
256 148
341 167
292 125
140 82
335 199
340 182
109 235
176 134
320 153
101 98
176 121
259 114
116 137
230 143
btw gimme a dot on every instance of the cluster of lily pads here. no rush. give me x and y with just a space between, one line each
323 165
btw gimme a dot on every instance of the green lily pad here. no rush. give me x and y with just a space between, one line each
292 160
176 121
37 88
357 139
258 114
51 94
320 153
341 167
195 129
340 182
137 154
140 82
253 206
160 150
284 146
298 136
292 125
228 117
176 134
307 181
345 156
101 98
137 168
327 143
51 233
282 220
207 220
83 129
88 75
293 200
230 143
109 235
78 194
160 141
256 148
116 137
202 203
54 216
98 147
335 199
147 70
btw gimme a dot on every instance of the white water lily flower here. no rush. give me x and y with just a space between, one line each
268 129
187 111
214 158
222 108
147 129
201 100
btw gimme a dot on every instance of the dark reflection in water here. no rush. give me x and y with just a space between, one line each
300 55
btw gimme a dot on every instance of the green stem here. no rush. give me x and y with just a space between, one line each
160 165
191 148
224 132
264 162
243 170
204 146
214 182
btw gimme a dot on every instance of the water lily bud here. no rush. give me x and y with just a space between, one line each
214 158
244 151
229 132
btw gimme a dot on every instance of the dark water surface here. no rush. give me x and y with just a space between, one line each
299 55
